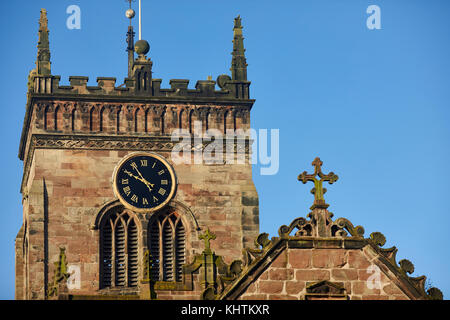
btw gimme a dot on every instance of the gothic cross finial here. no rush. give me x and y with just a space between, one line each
207 236
318 190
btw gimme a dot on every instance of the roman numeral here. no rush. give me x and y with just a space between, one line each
143 163
161 172
155 199
162 191
134 198
144 201
124 181
164 182
154 165
127 190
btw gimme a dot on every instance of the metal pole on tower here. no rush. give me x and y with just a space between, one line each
140 20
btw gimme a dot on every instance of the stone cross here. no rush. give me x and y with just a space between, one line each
207 236
318 190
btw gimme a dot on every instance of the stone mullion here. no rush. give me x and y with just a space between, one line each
85 117
119 118
161 251
147 119
174 265
111 119
129 118
125 226
113 254
142 244
66 118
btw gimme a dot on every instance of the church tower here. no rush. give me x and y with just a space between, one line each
104 200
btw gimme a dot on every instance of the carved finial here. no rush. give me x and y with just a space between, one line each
406 265
43 21
318 190
238 22
130 13
60 275
238 63
43 57
207 236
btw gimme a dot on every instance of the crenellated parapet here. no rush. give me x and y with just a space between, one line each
106 87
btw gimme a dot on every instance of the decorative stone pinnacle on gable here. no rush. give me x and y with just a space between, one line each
58 286
318 190
207 237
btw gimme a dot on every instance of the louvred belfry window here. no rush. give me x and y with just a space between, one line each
167 242
118 250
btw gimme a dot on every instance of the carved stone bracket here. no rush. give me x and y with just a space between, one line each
321 225
404 268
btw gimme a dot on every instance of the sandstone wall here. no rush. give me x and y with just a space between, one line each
291 272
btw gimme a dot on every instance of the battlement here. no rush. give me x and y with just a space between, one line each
106 86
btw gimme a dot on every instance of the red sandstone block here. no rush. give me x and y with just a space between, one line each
281 274
375 297
357 260
280 261
270 287
362 288
300 258
282 297
399 297
264 275
255 297
344 274
312 274
363 275
328 258
98 153
295 287
251 288
392 289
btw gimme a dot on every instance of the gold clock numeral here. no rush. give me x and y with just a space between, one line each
124 181
143 163
164 182
155 199
161 172
162 191
127 190
154 165
134 198
144 201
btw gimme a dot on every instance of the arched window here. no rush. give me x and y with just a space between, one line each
118 249
167 245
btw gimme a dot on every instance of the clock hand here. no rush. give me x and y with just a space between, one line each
142 177
149 185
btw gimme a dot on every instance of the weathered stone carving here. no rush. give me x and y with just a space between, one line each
58 286
318 190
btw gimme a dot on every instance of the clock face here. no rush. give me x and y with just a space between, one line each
144 182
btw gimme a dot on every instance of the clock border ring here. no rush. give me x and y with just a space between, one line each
148 154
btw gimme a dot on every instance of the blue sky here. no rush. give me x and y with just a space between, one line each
373 104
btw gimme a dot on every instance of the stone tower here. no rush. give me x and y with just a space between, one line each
73 138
